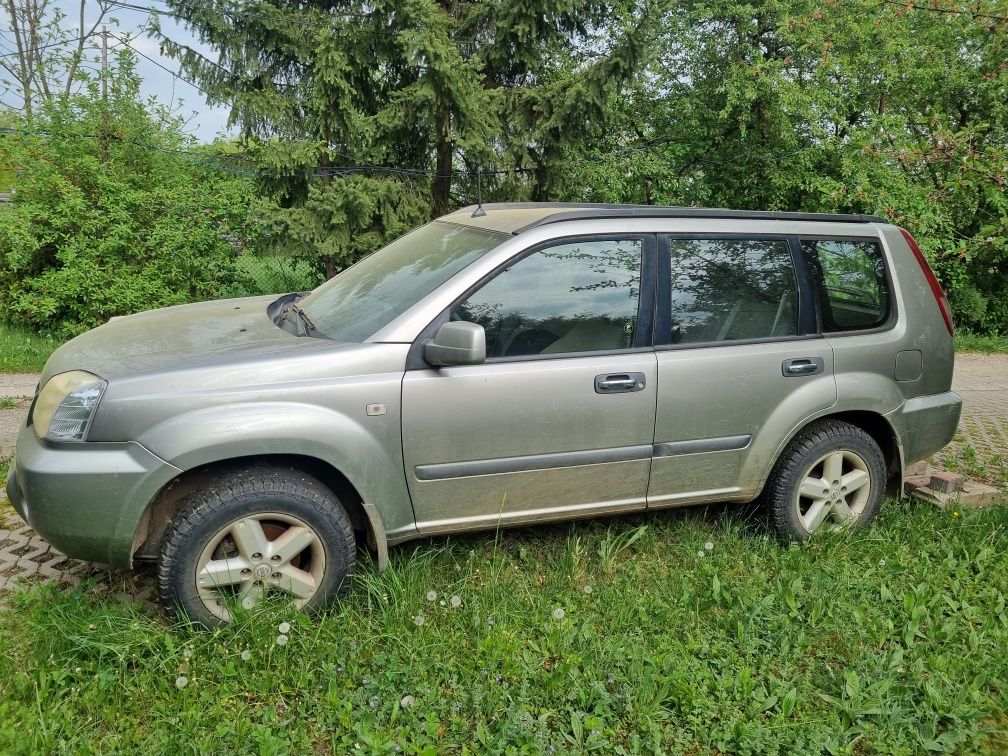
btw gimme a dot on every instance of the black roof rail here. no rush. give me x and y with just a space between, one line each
574 211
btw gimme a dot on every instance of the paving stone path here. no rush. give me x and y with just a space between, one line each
25 558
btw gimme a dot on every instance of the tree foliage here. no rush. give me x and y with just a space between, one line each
430 86
111 214
892 108
47 52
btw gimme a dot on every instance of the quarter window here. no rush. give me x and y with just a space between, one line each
850 277
574 297
732 289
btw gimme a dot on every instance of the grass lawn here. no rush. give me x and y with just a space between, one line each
967 341
24 351
664 633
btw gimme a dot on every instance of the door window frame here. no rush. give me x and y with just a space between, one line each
643 332
808 312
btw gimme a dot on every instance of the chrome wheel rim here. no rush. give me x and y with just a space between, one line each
834 491
259 554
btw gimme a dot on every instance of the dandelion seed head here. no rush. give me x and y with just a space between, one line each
701 553
709 545
456 602
246 655
406 701
181 681
559 613
281 640
284 627
432 596
588 589
881 563
419 620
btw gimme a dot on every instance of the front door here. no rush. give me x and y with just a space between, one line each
740 364
559 420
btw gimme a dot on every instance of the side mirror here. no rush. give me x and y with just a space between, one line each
457 343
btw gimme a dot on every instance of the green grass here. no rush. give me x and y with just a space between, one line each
22 350
967 341
891 640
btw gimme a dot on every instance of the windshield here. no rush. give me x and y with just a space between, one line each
366 297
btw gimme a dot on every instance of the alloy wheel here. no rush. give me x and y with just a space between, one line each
259 554
833 491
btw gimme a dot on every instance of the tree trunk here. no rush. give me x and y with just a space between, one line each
441 190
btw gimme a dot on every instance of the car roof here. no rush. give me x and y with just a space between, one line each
516 217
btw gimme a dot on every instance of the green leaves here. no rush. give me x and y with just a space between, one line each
109 217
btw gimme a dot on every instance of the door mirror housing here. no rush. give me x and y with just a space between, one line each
457 343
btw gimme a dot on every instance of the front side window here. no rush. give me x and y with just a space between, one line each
732 289
574 297
850 276
366 297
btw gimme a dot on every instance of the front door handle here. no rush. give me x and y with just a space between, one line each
802 366
619 383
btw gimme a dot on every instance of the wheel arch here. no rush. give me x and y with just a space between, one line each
154 521
872 423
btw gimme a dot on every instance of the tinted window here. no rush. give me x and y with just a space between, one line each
731 289
576 297
850 276
356 303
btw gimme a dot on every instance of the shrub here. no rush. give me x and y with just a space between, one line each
114 212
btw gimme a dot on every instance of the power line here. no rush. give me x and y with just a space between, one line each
142 8
160 65
68 41
349 170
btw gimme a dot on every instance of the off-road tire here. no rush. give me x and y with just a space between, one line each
242 493
810 445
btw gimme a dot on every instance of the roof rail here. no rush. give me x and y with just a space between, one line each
557 212
566 212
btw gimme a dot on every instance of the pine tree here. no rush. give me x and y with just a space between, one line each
436 87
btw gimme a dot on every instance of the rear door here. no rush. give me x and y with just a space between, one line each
740 363
559 420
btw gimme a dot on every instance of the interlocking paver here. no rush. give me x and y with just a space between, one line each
982 381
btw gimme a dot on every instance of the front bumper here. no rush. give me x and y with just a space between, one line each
86 499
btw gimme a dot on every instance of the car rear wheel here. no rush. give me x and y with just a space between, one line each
255 532
831 476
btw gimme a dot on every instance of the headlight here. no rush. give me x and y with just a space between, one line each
66 404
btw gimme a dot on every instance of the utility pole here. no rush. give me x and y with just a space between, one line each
104 64
104 93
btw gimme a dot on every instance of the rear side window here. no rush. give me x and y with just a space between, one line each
732 289
850 277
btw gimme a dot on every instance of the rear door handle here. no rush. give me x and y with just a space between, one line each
619 383
802 366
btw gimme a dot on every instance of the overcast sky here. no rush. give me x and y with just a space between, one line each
208 121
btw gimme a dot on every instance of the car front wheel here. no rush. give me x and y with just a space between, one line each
831 476
256 531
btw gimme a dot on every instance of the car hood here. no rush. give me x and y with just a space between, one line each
206 333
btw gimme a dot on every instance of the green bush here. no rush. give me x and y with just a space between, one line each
112 214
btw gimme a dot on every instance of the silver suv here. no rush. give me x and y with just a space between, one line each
503 365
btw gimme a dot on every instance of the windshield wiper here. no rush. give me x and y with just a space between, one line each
301 320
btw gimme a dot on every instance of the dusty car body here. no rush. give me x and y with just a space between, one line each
662 357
